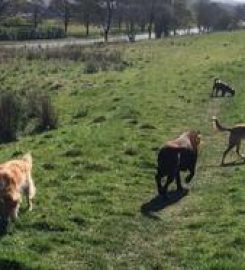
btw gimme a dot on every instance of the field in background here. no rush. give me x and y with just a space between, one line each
96 205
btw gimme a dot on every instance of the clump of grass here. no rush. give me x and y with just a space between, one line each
99 119
91 67
74 152
95 59
131 151
82 112
49 166
147 126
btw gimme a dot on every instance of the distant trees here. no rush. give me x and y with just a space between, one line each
164 17
63 9
34 7
240 12
86 12
107 9
182 15
4 5
213 16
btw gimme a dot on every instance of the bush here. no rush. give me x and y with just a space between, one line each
95 59
14 21
42 112
90 67
27 33
11 116
26 114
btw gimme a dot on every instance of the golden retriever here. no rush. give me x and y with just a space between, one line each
15 178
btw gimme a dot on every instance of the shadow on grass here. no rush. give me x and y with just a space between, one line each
229 164
234 163
161 202
3 228
6 264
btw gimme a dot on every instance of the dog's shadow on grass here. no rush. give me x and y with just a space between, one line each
229 164
3 228
161 202
12 265
234 163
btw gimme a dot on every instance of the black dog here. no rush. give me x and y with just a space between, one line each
176 156
221 87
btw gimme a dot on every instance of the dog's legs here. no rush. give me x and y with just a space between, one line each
14 214
178 181
17 211
192 170
238 150
158 179
31 192
170 179
190 176
226 152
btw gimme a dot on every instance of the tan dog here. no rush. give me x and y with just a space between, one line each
15 178
237 133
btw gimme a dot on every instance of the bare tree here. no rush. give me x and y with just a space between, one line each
163 18
107 9
213 16
182 16
240 12
86 11
4 5
151 16
63 8
35 7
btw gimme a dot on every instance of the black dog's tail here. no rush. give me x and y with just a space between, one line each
218 126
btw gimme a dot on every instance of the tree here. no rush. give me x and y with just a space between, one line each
163 18
4 5
36 8
106 13
62 8
213 16
131 14
86 11
182 16
240 12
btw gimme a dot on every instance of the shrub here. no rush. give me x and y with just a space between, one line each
27 33
41 111
26 114
95 59
11 116
90 67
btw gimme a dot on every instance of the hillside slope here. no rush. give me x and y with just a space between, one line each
96 205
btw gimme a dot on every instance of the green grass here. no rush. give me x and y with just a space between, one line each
95 173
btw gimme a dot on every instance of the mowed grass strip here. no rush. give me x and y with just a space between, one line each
95 174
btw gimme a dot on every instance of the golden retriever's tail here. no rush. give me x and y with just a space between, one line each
28 158
218 126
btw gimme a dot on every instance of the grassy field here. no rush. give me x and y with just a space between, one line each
96 204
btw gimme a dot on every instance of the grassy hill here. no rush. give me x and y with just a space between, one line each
96 204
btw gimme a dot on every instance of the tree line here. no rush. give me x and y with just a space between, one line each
160 17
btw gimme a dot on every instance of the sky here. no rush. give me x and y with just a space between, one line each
230 1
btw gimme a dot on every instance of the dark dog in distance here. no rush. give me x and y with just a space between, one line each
221 89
